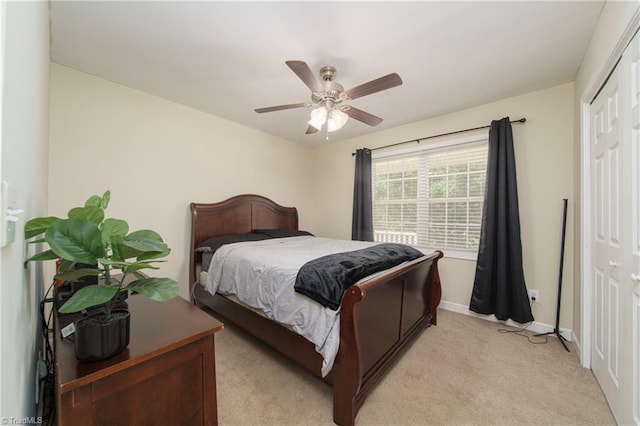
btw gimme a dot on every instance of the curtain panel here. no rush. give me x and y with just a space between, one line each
499 286
362 218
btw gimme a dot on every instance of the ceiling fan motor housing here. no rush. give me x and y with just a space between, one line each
333 92
327 73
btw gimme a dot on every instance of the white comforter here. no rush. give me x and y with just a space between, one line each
262 274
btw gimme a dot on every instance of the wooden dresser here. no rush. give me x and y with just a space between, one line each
165 376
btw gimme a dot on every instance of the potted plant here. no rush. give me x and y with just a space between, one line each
86 244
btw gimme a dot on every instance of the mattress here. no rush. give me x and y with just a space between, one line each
261 275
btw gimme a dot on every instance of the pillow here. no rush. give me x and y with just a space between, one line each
214 243
282 233
207 257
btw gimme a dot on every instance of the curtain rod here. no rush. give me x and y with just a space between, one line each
522 120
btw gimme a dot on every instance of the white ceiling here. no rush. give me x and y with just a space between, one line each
228 58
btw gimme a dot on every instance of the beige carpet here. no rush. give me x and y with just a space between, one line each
461 372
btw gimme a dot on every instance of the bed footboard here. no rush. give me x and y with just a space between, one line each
379 318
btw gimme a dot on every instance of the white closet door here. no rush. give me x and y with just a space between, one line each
631 188
615 121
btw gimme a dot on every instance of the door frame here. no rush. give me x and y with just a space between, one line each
590 93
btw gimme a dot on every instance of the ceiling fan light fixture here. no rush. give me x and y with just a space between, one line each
318 117
337 119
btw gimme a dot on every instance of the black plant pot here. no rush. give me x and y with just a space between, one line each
99 337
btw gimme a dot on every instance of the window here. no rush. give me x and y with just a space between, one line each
431 198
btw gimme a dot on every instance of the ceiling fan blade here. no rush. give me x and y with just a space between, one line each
281 107
383 83
365 117
305 74
311 130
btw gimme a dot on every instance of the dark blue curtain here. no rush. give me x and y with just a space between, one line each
499 287
362 219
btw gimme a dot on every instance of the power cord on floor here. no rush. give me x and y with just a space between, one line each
521 331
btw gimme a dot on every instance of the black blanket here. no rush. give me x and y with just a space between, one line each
326 278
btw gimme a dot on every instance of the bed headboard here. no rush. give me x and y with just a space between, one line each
237 215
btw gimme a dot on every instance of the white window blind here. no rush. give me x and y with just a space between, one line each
431 198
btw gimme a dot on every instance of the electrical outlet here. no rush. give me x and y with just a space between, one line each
534 295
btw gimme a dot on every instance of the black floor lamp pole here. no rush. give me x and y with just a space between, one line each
556 330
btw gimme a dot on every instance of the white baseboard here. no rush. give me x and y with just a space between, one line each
576 342
536 327
578 349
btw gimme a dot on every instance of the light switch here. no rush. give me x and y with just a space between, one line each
4 200
9 214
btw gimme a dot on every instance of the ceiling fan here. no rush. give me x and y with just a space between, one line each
328 98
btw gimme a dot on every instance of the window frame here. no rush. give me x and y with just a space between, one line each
438 145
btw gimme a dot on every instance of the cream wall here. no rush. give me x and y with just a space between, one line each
613 23
157 156
543 148
24 124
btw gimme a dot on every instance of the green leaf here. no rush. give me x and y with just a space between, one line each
38 226
93 201
117 248
106 197
76 240
159 289
87 297
112 262
126 252
144 241
90 213
153 255
98 201
140 242
75 274
39 257
113 227
133 267
146 234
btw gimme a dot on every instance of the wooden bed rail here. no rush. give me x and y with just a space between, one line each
371 343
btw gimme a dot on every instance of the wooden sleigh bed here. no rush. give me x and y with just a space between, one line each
379 317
